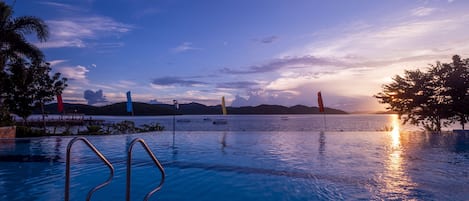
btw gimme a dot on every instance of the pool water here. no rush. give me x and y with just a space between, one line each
246 165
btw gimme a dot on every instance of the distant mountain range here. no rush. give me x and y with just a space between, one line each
145 109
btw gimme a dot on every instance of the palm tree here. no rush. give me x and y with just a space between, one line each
13 44
14 47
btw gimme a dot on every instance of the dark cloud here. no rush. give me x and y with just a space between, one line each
288 62
167 81
236 85
267 40
312 61
72 101
94 97
154 101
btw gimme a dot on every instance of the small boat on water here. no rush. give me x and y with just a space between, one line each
183 120
220 121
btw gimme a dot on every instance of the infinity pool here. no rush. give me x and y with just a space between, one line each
241 165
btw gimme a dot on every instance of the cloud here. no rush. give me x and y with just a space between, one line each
288 63
400 38
94 97
240 102
267 40
74 32
261 96
422 11
154 101
56 62
124 84
349 81
61 6
184 47
236 85
88 27
307 96
73 93
168 81
77 73
58 43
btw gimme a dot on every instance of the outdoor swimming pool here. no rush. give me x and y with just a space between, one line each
246 165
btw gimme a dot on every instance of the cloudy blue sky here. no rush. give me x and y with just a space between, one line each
250 51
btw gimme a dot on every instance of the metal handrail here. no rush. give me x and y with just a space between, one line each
129 164
67 168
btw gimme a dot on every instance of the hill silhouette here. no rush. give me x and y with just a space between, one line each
145 109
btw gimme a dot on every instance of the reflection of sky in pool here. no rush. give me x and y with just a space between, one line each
247 165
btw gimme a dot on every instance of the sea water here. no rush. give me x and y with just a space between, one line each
357 157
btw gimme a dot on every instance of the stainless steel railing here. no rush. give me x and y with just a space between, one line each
67 168
101 156
129 166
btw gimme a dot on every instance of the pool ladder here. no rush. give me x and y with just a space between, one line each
111 168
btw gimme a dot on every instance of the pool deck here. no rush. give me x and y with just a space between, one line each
8 132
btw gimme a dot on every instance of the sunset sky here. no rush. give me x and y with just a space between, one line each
250 51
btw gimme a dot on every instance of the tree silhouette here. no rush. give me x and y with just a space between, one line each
13 43
457 87
432 99
15 49
30 85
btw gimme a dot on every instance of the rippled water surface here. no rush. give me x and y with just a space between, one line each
250 163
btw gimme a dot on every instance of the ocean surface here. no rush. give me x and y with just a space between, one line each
255 157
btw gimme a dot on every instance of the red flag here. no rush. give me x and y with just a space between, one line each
60 104
320 104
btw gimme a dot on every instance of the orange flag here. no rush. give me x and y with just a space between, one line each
320 104
60 104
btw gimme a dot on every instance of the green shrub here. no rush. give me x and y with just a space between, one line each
93 130
125 127
152 127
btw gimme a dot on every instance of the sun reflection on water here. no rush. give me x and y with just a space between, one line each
395 132
395 180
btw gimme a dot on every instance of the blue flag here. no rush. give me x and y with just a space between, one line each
129 102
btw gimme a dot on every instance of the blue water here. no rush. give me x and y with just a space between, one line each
255 162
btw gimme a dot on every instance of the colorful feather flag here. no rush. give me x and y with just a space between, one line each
176 104
223 107
129 102
320 103
60 104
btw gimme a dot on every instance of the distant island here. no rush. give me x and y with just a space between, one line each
145 109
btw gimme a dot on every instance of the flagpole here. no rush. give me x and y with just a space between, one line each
176 108
325 124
